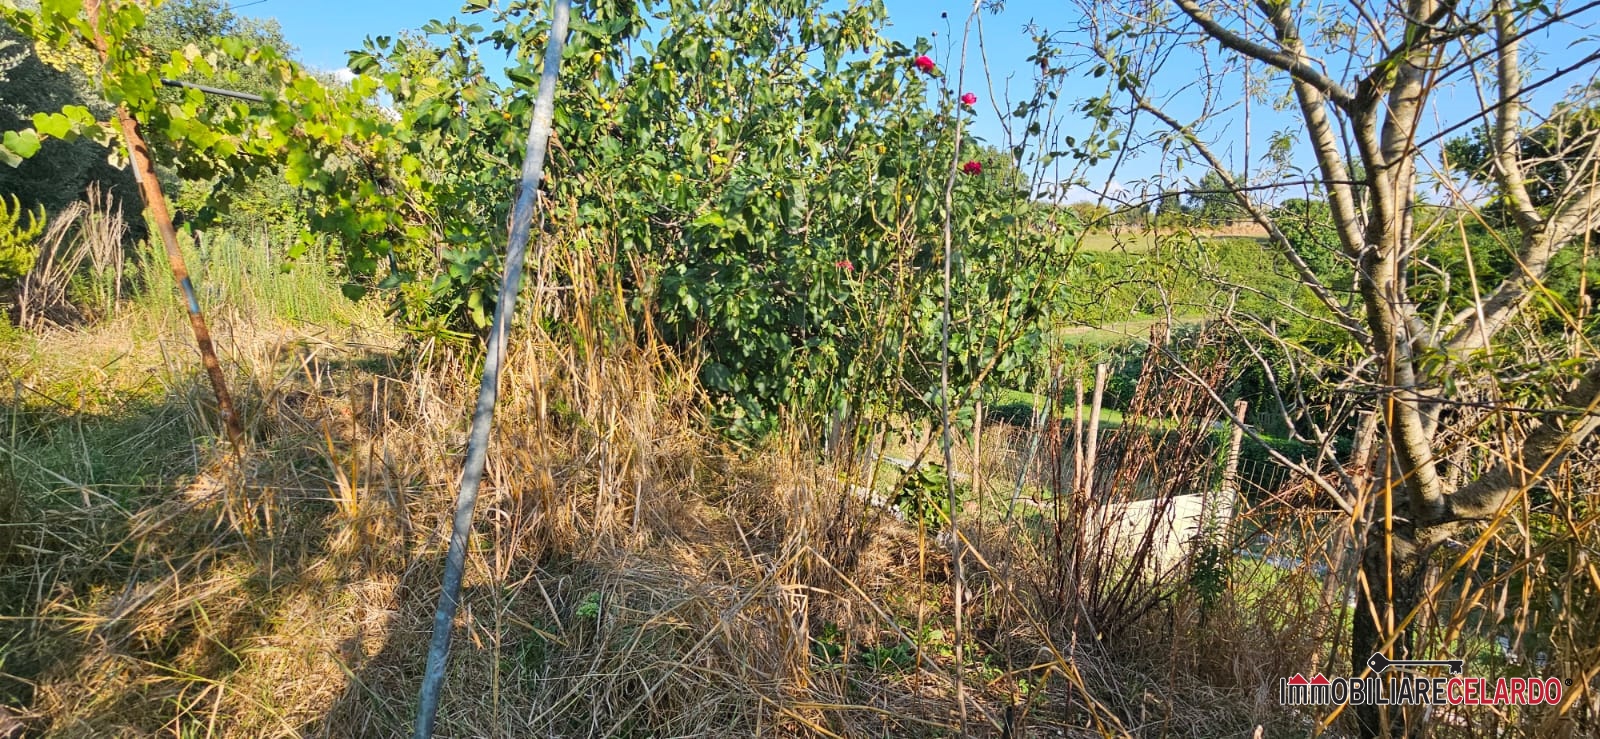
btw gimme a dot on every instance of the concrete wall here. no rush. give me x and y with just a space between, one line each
1176 522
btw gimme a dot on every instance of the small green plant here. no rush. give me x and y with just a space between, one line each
922 496
17 248
897 657
590 607
827 648
935 640
530 657
1209 572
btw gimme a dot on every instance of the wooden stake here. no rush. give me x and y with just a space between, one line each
1230 469
144 172
1092 442
1077 436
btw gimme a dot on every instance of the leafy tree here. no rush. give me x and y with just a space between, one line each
56 171
785 232
1169 204
1091 215
244 200
1428 379
53 75
1213 202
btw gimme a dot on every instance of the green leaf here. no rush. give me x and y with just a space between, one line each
54 125
68 8
521 76
711 218
24 143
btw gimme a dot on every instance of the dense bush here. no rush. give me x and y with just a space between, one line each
790 234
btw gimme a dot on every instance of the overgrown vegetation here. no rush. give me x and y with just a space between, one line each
1185 457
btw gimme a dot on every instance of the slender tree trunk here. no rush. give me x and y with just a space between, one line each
1390 588
1092 444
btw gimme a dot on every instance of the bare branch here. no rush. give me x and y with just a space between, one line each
1306 274
1578 215
1543 451
1295 65
1508 124
1226 409
1324 142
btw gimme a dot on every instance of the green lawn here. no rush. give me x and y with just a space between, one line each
1137 241
1136 329
1018 406
1124 240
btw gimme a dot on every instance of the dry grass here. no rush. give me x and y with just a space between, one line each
87 233
631 575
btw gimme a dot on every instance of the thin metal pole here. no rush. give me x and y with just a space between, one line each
150 188
483 415
209 90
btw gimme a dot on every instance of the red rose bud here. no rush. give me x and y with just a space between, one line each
924 63
845 265
972 168
969 99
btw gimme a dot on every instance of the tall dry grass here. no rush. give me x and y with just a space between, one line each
631 574
82 248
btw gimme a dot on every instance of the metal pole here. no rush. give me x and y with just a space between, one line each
489 390
209 90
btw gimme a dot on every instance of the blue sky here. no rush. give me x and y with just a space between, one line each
323 31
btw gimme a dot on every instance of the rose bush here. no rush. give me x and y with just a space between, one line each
763 181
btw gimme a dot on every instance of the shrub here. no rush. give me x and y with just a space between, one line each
17 249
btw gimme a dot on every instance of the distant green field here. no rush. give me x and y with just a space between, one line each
1131 241
1138 242
1136 329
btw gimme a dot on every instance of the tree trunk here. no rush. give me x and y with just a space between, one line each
1390 587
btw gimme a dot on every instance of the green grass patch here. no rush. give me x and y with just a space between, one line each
1120 240
1121 333
1132 288
1138 241
251 276
1016 407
